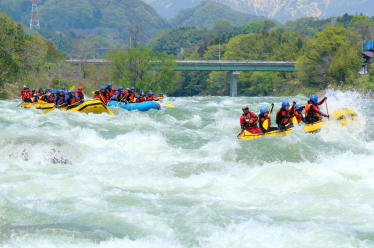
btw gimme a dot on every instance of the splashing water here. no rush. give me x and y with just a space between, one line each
180 178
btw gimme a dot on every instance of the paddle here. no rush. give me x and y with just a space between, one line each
265 124
72 88
169 105
294 121
327 109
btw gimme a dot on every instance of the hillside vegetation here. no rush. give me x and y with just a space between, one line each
115 19
207 13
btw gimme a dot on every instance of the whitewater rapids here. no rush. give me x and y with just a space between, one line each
180 178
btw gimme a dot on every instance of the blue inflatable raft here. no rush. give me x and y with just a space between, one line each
143 106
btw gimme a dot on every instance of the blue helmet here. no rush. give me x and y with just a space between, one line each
37 94
53 91
48 89
314 99
40 89
132 88
263 111
285 104
47 95
33 89
151 93
102 87
298 106
66 92
73 91
120 88
109 85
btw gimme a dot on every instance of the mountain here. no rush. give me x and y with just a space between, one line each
113 19
207 13
282 10
170 8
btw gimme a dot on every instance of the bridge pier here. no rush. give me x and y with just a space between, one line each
233 76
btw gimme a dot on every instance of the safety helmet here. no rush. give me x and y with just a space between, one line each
53 92
263 111
109 85
40 89
47 95
73 91
80 88
120 88
314 99
285 104
132 88
102 87
48 89
33 89
37 94
151 93
298 106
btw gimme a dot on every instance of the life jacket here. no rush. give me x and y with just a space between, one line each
149 98
103 96
299 116
262 119
280 120
50 99
310 112
80 95
140 99
72 99
131 97
251 119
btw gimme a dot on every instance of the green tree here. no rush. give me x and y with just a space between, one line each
134 68
332 57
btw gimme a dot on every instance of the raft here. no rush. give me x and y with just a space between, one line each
143 106
342 116
90 106
250 136
38 105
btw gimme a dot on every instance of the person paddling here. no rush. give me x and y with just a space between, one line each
265 121
248 121
312 112
283 117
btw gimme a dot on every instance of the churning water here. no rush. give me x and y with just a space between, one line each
180 178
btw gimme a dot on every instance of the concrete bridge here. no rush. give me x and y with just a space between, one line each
233 67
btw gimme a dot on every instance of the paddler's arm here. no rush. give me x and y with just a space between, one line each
320 112
322 101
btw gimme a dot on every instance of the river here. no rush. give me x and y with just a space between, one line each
180 178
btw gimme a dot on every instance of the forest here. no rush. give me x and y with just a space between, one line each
327 52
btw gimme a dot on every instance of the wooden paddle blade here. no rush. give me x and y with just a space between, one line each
265 125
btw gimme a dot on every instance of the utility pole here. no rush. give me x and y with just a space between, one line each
34 19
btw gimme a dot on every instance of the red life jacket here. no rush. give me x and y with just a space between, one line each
279 117
140 99
309 111
298 116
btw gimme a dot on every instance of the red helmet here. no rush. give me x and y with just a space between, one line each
80 88
26 87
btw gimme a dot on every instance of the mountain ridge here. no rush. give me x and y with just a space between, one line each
281 10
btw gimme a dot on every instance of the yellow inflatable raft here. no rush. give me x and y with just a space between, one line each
342 116
250 136
39 105
90 106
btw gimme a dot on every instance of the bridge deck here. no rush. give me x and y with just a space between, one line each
213 65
